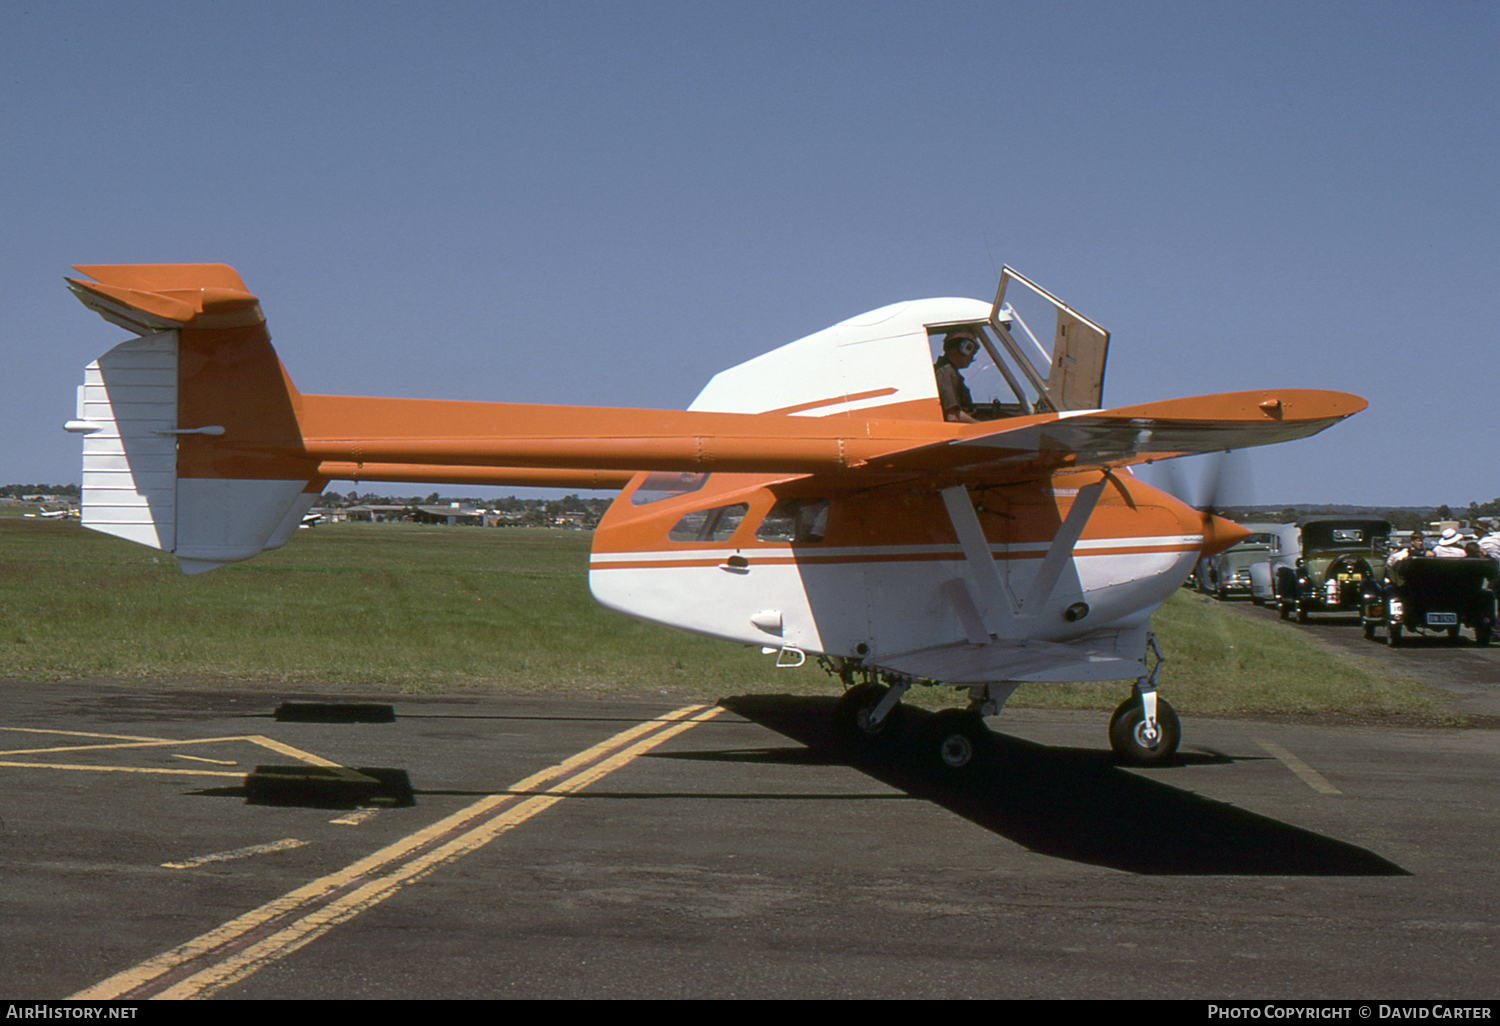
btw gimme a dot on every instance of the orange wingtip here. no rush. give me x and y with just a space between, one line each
1286 404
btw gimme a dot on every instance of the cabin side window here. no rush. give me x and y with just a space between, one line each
666 485
795 522
709 525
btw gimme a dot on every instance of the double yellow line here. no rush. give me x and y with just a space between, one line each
240 947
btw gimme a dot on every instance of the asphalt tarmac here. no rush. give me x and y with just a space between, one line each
161 841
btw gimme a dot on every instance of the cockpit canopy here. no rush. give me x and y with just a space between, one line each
880 363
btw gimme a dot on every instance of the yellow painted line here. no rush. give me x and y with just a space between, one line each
123 769
1311 777
311 910
356 817
302 931
162 742
313 760
80 733
123 741
286 844
153 743
288 750
199 758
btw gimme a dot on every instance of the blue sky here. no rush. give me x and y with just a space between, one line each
606 203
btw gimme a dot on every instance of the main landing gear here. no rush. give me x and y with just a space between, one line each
956 742
1143 731
870 716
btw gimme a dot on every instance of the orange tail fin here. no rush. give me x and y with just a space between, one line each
176 422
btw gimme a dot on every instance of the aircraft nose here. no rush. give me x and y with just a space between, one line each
1220 534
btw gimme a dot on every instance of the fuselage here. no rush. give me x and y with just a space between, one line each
860 573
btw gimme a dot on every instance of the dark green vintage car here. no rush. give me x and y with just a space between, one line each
1338 566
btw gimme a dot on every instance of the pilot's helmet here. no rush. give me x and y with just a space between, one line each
962 341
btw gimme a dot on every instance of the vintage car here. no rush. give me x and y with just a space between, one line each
1427 594
1283 538
1336 565
1228 573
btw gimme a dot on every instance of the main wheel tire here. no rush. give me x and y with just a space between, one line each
1393 635
1128 737
1369 630
852 716
1482 634
956 742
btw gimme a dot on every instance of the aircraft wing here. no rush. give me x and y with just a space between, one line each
342 431
998 452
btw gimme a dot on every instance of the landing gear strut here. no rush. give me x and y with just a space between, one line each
1144 730
1143 742
869 715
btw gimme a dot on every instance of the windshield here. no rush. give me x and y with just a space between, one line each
997 386
1013 373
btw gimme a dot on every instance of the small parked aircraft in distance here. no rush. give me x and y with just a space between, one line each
811 501
55 514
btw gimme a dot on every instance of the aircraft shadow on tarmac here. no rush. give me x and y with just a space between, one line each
1075 803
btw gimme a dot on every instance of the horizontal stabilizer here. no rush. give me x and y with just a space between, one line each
147 298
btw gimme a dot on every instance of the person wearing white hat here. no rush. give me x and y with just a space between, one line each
1450 545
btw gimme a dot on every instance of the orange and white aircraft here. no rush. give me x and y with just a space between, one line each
812 501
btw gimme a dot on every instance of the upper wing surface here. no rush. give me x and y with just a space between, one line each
995 453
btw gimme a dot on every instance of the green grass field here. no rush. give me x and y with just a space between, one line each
428 608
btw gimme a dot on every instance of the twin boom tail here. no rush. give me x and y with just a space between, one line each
190 435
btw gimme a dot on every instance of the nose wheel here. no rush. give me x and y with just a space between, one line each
1139 741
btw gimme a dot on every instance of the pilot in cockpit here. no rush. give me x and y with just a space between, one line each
959 347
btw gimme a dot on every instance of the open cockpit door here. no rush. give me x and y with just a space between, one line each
1075 379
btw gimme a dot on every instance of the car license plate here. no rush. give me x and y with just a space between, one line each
1441 619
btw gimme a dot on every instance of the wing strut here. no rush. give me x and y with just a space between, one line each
985 575
1061 549
982 572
